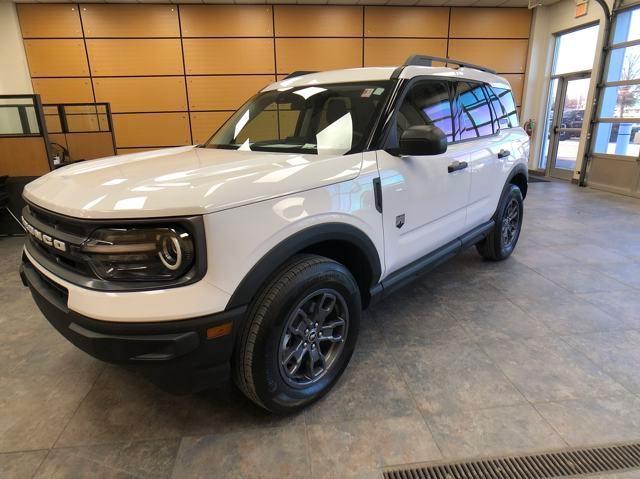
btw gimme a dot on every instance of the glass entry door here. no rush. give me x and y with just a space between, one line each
566 124
570 77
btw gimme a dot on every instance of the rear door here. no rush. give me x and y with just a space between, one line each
477 130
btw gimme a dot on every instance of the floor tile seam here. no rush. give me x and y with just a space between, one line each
623 286
77 408
417 407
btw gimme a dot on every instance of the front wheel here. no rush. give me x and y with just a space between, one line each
502 239
299 336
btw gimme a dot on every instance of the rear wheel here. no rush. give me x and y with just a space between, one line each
300 334
502 239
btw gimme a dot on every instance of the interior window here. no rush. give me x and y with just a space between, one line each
473 116
427 103
504 108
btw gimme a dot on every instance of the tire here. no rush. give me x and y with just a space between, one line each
274 363
497 246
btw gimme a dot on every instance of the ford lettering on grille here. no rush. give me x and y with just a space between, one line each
44 238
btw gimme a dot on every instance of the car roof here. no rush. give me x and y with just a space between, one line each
351 75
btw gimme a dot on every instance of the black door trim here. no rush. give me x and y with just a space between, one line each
410 272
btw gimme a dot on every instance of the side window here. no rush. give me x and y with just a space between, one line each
472 112
427 103
504 107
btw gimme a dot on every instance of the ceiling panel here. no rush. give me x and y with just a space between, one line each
430 3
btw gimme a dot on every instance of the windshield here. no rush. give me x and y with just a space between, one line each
332 119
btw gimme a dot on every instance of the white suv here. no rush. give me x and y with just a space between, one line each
255 252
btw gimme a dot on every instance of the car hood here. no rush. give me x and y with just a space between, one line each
183 181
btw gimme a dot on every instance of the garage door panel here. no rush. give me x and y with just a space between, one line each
130 20
132 57
204 124
406 22
63 90
142 94
618 175
49 21
505 56
226 20
389 52
318 21
56 58
151 129
228 56
311 54
224 92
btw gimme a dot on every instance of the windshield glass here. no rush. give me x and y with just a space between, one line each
318 119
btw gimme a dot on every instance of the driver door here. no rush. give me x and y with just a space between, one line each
424 203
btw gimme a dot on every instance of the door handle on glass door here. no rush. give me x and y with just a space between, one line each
504 153
457 165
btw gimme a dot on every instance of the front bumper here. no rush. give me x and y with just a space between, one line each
176 355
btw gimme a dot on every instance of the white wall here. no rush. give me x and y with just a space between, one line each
547 21
14 72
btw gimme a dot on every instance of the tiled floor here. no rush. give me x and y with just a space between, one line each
538 352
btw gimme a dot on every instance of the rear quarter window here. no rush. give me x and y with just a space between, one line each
473 115
504 107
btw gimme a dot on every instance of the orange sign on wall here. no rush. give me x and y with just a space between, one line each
581 8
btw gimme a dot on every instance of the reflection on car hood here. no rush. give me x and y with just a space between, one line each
183 181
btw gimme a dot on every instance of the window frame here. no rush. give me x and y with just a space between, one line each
556 40
598 119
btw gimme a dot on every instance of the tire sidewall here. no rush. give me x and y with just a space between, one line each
270 387
513 192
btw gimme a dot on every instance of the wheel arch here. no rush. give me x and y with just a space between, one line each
338 241
519 176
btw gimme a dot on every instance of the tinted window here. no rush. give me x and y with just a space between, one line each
473 115
504 107
427 103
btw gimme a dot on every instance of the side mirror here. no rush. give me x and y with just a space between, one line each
423 140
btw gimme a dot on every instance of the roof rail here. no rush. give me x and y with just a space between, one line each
427 61
298 73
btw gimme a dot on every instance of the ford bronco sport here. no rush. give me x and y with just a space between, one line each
253 254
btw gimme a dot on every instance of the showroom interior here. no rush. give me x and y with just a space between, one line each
529 365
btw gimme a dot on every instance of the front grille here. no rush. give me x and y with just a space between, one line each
72 233
67 262
558 464
59 223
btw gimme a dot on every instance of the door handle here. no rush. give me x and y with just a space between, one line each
457 165
503 153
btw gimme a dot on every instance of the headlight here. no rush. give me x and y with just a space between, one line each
139 254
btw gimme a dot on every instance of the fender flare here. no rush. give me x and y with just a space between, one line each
270 262
518 169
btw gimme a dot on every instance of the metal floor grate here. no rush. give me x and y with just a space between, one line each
564 463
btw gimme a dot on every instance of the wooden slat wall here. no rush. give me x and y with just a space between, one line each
174 73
